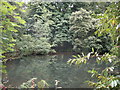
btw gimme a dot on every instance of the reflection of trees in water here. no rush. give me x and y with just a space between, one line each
49 68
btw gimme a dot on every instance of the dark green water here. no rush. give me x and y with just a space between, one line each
49 68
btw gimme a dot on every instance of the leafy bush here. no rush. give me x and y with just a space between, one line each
30 45
82 29
82 24
100 44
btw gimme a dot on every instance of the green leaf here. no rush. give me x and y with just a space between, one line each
20 19
15 25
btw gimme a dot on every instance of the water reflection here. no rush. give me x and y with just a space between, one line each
49 68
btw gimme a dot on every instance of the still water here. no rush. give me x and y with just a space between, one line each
50 68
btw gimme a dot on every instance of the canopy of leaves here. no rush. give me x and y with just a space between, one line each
83 25
9 21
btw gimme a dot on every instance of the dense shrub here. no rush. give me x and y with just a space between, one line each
82 29
100 44
30 45
82 24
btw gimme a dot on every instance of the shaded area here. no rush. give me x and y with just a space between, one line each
50 68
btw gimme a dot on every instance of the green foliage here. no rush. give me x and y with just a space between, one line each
82 59
108 23
82 24
52 18
108 77
105 80
48 20
100 44
38 28
61 13
38 19
59 30
48 26
56 15
9 22
111 16
42 30
79 59
8 26
30 45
